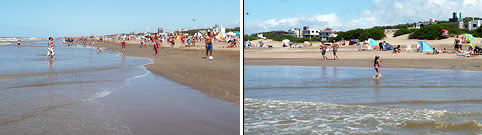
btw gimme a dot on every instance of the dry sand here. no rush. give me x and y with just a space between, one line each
350 56
188 66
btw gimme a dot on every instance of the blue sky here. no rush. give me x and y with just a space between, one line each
268 15
35 18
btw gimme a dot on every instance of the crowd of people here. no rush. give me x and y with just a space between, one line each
156 40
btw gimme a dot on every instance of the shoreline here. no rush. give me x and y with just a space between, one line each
186 66
435 64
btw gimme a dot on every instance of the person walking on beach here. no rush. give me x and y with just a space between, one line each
323 51
156 48
50 50
123 43
209 45
335 49
377 66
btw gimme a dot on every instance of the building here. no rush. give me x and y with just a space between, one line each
326 34
217 29
472 25
295 32
310 33
455 18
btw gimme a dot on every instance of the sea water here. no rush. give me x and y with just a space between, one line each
82 91
342 100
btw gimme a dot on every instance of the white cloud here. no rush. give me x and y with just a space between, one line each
316 21
382 12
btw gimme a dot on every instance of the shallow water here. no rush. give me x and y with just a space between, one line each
319 100
85 92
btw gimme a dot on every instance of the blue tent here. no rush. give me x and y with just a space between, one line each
372 42
387 46
425 46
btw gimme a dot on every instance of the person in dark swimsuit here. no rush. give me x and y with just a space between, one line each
377 66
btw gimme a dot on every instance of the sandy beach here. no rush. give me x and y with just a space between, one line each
350 56
188 66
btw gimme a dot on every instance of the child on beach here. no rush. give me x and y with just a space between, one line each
377 66
50 52
18 42
142 43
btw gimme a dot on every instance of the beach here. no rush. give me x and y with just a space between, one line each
298 93
350 56
188 66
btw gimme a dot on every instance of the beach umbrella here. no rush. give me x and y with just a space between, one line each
286 41
306 43
469 37
372 42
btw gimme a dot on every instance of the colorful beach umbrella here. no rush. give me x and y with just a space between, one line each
469 37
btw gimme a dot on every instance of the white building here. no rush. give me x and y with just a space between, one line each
472 25
295 32
327 33
310 33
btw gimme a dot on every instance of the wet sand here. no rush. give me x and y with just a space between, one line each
443 64
188 66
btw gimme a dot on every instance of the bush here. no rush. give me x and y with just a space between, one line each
477 32
291 38
432 32
403 31
250 38
376 33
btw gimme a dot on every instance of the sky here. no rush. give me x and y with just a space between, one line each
43 18
342 15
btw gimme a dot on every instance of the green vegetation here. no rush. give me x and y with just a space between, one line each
291 38
250 38
477 32
233 29
399 26
432 32
376 33
403 31
466 19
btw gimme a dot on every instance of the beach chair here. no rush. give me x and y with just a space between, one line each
409 48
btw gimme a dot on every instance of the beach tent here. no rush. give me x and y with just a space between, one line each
286 41
231 34
372 42
306 43
387 46
352 42
425 46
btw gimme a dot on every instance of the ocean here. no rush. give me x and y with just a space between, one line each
345 100
82 91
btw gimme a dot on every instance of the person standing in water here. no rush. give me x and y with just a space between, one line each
18 42
124 44
209 44
377 66
50 52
